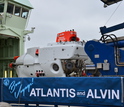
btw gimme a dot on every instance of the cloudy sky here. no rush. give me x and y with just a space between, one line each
50 17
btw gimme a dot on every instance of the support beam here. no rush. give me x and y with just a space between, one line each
105 30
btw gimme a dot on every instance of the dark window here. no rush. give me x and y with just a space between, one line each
10 8
24 13
17 11
1 7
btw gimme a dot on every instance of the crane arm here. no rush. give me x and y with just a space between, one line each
105 30
110 2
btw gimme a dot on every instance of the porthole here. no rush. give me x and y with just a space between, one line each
55 67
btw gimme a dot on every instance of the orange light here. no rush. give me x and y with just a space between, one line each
15 57
11 65
37 52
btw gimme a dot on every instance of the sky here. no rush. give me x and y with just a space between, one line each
50 17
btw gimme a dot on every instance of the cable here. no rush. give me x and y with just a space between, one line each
113 13
114 40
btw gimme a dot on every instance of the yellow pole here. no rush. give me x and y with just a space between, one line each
5 74
11 73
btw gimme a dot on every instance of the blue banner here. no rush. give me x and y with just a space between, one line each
66 91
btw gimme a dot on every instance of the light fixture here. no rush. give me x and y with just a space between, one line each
29 38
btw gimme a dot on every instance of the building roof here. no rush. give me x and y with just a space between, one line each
24 2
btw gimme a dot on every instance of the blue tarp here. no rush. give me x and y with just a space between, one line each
63 91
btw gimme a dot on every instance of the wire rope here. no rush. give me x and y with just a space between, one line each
113 13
